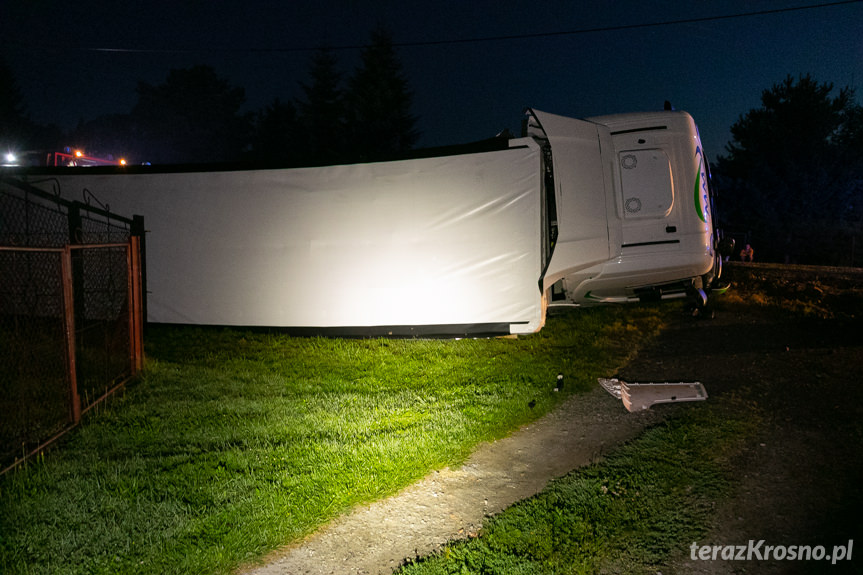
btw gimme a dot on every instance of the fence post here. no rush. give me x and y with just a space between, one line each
76 236
138 230
69 313
136 334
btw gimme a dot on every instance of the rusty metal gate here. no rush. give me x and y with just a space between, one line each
71 315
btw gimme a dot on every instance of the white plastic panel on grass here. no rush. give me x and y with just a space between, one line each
448 240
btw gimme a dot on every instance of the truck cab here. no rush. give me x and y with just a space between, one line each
634 209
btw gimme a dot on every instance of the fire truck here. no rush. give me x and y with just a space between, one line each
73 158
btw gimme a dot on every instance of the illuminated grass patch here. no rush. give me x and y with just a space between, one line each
235 443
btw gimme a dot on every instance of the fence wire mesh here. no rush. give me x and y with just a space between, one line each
102 331
34 379
100 229
31 218
67 313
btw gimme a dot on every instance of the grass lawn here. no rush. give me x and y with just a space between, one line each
235 443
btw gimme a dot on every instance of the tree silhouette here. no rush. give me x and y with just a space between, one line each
15 126
193 117
19 134
370 120
276 140
322 111
379 119
792 175
105 137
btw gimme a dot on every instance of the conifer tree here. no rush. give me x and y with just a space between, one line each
194 116
322 111
277 140
379 118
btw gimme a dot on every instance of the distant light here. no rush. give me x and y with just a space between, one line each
79 153
122 162
10 158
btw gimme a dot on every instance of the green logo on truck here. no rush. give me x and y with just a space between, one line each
700 188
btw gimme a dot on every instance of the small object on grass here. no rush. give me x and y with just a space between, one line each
559 386
532 403
640 396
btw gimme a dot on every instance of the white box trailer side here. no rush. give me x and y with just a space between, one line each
610 209
443 245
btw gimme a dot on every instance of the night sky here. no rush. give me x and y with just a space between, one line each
473 66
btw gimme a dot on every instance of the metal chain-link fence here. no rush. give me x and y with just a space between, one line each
34 384
32 218
70 313
102 330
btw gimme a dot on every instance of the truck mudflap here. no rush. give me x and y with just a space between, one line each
641 396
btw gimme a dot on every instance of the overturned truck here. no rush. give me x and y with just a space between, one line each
478 242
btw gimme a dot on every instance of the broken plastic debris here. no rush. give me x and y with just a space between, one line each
640 396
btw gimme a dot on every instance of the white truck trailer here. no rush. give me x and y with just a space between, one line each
607 209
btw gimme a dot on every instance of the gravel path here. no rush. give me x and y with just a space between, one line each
452 503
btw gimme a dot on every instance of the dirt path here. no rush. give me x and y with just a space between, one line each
452 503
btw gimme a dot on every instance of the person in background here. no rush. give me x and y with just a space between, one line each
747 253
